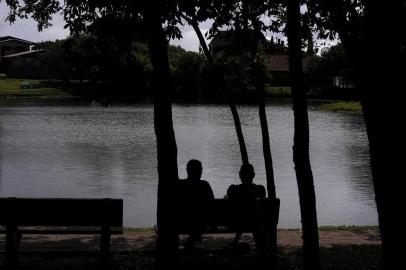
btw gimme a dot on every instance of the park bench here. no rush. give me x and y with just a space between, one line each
221 216
59 216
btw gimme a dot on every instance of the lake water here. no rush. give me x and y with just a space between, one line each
53 149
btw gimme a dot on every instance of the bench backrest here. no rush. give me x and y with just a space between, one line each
229 213
61 212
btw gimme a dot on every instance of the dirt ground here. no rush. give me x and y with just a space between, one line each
136 250
145 240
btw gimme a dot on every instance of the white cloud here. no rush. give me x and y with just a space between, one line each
189 41
27 28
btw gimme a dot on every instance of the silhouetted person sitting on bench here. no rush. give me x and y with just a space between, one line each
195 193
245 192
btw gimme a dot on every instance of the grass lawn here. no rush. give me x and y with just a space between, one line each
12 88
347 106
14 84
278 91
33 92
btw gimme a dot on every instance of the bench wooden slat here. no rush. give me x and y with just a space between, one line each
69 230
227 216
59 216
61 212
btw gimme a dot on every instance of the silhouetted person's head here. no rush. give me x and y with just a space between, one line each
247 173
194 169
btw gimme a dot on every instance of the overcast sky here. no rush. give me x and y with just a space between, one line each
27 29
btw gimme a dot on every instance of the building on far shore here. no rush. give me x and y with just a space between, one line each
278 67
11 45
12 48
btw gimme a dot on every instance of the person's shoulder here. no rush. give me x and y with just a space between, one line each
259 186
260 190
233 187
232 191
207 185
204 183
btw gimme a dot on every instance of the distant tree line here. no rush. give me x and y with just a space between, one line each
331 75
96 63
90 63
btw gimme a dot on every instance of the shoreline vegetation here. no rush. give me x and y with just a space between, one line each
11 89
14 88
342 106
328 228
331 228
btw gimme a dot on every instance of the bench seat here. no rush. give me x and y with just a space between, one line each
62 230
21 216
228 216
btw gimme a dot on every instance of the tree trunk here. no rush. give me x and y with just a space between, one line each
165 135
260 87
381 90
233 108
304 175
270 179
381 103
240 136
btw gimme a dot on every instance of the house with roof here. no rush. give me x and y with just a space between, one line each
10 45
12 48
278 68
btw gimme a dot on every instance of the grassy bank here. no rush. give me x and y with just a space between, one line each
33 93
10 88
9 84
278 91
342 106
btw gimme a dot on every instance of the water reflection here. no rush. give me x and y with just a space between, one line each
78 150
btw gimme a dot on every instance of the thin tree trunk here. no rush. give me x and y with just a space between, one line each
165 136
260 86
304 175
233 108
270 179
240 136
200 36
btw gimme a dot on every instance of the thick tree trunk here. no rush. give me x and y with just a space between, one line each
380 78
165 135
381 90
307 197
233 108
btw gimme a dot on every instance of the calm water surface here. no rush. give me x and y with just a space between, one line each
79 150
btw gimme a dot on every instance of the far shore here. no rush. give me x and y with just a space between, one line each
10 89
332 228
